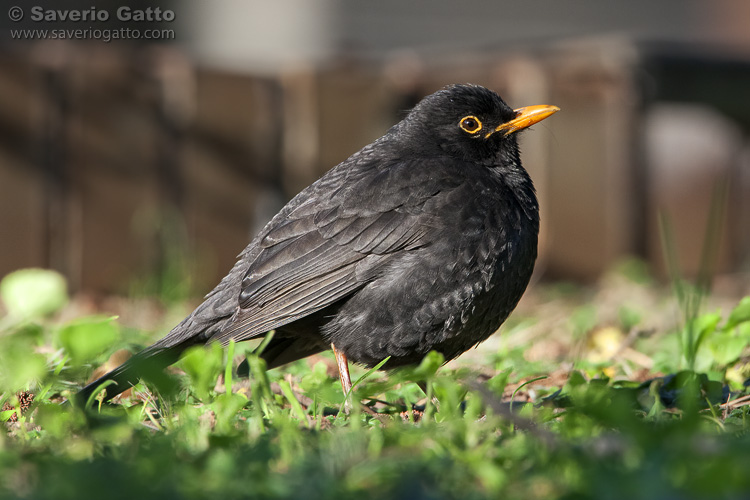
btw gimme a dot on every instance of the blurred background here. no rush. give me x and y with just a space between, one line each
150 163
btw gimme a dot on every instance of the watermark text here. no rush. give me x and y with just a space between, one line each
103 34
106 24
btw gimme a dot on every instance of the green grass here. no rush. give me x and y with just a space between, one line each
613 410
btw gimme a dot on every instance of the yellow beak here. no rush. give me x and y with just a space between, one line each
525 117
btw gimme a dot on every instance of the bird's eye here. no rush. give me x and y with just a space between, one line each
470 124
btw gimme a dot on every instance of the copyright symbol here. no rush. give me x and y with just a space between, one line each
15 13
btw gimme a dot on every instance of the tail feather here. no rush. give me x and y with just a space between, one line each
146 364
209 318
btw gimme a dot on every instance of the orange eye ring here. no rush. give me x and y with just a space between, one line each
470 124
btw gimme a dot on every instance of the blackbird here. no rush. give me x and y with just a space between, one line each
423 240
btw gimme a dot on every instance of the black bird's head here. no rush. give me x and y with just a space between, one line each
470 122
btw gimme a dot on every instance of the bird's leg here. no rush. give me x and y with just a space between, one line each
344 377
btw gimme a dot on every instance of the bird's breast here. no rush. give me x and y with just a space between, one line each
447 295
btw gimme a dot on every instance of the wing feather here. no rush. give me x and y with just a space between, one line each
314 255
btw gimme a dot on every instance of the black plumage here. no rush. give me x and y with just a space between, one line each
423 240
